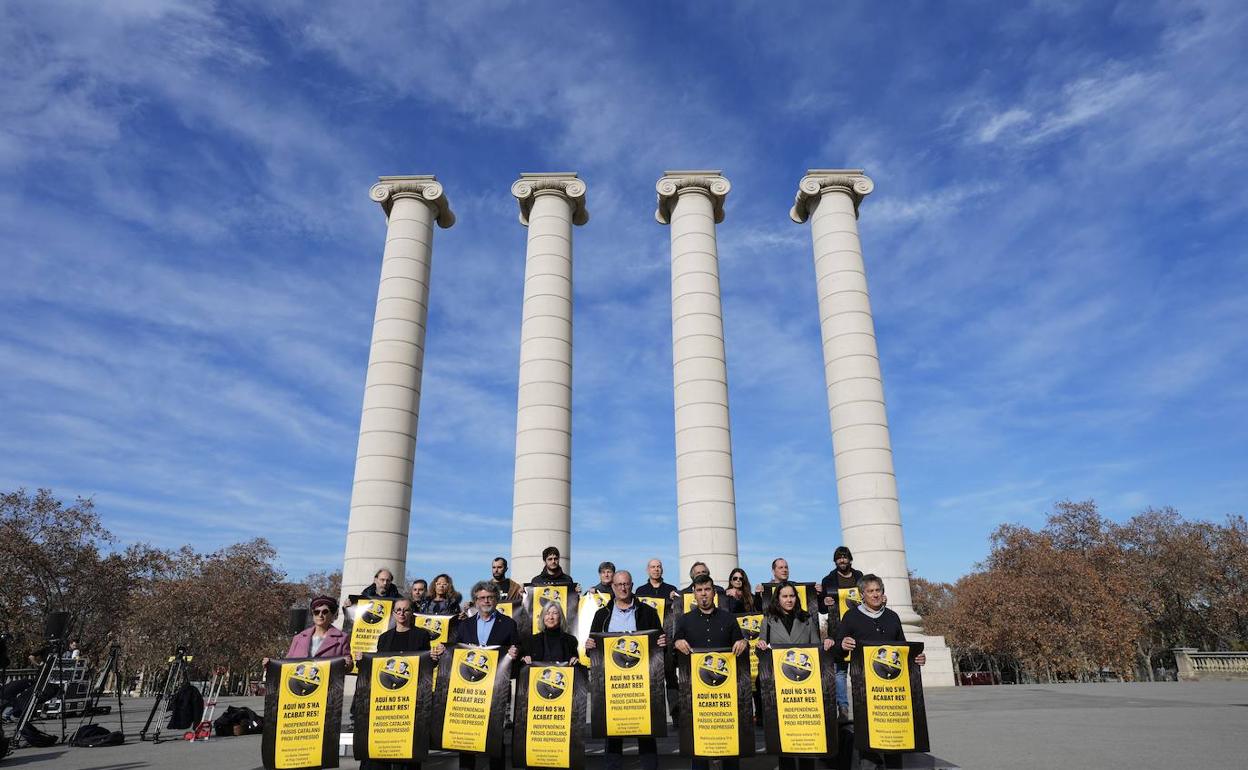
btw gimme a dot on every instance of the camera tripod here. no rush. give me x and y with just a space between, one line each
177 675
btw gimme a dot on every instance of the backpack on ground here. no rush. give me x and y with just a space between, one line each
238 715
187 706
93 736
37 738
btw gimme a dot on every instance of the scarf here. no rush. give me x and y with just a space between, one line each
873 615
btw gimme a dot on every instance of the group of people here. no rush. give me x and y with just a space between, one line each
709 623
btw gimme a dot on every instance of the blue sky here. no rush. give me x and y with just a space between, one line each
189 259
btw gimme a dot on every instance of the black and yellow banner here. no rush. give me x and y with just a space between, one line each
302 713
626 679
889 714
370 618
470 700
716 707
438 626
751 624
508 608
798 685
847 599
806 596
393 698
551 705
587 607
528 615
659 605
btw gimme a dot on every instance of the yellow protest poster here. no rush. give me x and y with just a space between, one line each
548 733
714 715
889 704
302 708
845 599
659 605
800 702
751 625
507 608
469 699
392 706
371 619
587 606
438 626
627 685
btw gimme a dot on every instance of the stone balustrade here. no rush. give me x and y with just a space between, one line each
1196 665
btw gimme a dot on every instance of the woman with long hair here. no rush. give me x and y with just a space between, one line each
554 644
739 589
787 623
443 599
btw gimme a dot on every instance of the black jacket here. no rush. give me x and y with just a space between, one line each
868 630
647 618
832 582
413 640
562 579
550 647
504 632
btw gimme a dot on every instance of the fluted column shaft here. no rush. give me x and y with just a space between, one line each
866 485
692 204
542 503
381 494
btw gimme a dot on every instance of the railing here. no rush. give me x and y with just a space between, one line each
1194 664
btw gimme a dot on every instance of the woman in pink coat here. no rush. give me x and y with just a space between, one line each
322 639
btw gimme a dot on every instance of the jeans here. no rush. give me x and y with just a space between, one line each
842 687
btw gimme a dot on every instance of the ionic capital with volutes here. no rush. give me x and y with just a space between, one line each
819 181
425 187
673 184
565 184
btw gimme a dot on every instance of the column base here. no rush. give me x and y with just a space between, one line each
938 671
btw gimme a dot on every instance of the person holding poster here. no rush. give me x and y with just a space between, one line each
871 621
787 623
708 626
840 592
554 644
322 639
492 629
552 573
720 597
627 614
606 571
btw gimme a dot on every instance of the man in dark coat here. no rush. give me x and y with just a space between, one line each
487 628
871 622
552 573
843 579
707 626
627 613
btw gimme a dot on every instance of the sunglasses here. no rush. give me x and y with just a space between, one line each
736 579
322 611
404 610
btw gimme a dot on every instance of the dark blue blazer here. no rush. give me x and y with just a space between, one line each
504 633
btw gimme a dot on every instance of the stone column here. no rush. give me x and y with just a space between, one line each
550 204
381 496
863 457
692 203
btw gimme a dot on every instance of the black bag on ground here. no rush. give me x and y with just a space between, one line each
238 715
37 738
188 706
93 736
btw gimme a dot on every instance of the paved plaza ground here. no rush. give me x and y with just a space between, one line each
1101 726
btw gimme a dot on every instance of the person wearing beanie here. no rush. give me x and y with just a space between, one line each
843 579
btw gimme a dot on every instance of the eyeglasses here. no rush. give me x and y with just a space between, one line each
404 610
322 611
736 579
